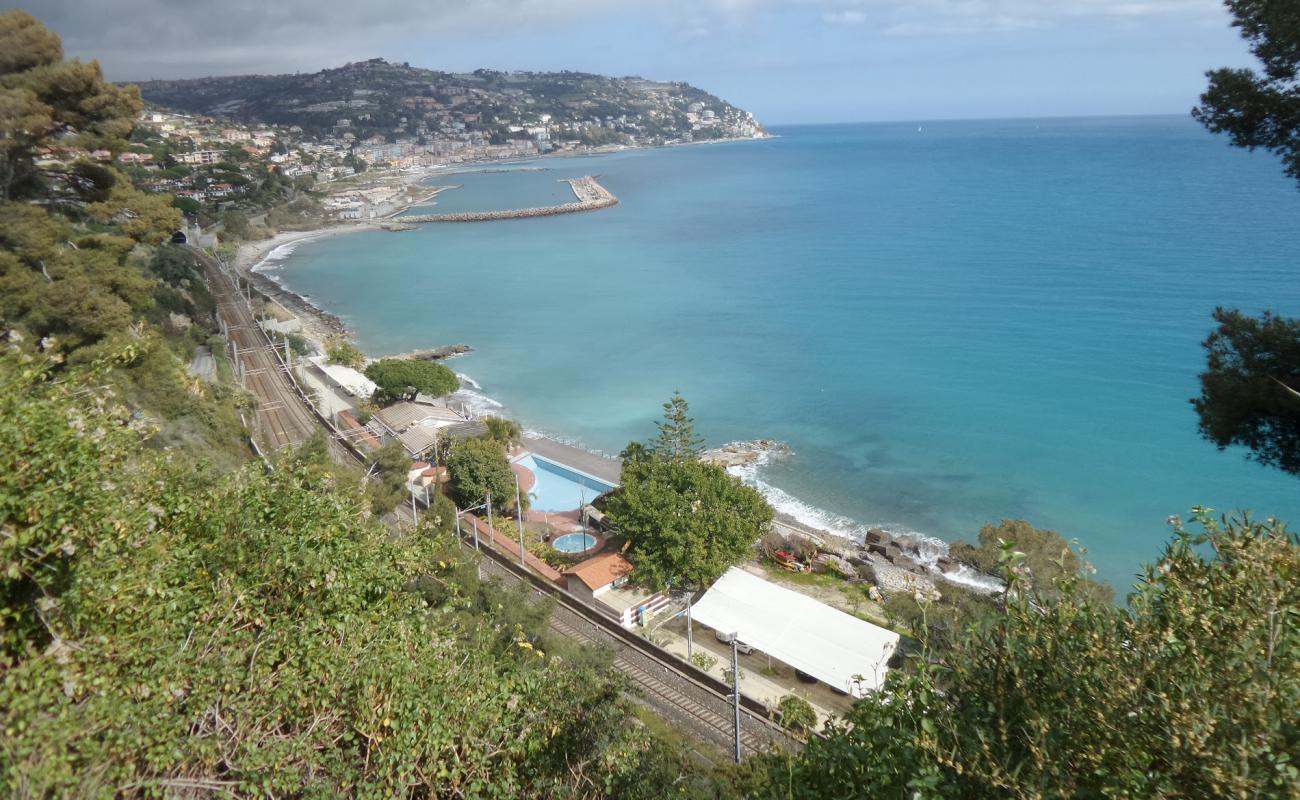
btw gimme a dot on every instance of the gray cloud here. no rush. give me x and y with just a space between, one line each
140 39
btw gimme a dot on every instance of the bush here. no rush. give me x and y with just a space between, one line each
796 713
505 431
703 660
341 351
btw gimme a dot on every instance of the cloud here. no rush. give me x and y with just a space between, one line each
140 39
845 16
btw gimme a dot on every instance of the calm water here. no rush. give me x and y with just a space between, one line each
950 325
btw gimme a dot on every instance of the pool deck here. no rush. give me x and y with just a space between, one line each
607 469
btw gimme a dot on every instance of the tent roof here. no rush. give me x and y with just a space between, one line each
809 635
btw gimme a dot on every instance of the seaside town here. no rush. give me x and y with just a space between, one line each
247 558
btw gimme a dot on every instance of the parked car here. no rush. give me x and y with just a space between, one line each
803 676
740 646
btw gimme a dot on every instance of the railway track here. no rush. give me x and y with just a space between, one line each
680 692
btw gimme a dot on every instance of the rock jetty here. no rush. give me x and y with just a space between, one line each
435 353
739 454
591 196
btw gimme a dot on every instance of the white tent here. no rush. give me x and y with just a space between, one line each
836 648
352 382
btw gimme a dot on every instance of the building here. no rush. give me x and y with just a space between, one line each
848 654
602 582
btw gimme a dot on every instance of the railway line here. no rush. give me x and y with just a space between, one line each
694 700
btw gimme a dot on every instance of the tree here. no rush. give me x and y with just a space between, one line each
677 437
388 486
1260 110
341 351
1190 691
505 432
1249 391
235 224
687 521
166 631
796 713
44 98
403 379
479 466
1047 557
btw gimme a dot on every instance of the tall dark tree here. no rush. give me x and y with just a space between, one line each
1250 391
1260 109
677 439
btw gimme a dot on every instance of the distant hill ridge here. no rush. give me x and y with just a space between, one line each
377 98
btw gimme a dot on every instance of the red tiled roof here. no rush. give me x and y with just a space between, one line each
366 436
601 570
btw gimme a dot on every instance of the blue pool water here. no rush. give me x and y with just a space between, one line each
574 542
975 321
560 488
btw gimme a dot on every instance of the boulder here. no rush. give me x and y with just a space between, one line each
908 563
907 543
947 565
877 548
877 536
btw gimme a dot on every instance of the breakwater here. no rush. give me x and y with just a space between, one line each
590 197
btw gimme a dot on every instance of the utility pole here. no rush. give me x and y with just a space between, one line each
414 519
690 638
489 510
735 684
519 515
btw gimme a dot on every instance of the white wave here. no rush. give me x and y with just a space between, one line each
973 579
276 254
468 381
929 548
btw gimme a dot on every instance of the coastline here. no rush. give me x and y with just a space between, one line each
320 325
792 514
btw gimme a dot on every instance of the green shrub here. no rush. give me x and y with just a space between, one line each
796 713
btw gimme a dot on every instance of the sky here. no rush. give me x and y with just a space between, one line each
788 61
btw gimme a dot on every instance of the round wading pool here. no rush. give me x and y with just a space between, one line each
574 542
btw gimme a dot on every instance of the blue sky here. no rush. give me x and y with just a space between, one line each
788 61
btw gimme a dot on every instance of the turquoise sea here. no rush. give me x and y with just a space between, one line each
949 322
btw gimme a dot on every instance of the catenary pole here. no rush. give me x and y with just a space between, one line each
519 516
735 682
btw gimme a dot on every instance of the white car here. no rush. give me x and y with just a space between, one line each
726 639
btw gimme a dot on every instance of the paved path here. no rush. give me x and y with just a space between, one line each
607 469
203 366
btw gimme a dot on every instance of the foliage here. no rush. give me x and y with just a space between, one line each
796 713
503 431
341 351
45 99
403 379
1047 558
1250 391
259 634
677 439
1254 109
687 521
703 660
1190 691
387 486
479 466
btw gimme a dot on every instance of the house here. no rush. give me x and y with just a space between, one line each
602 581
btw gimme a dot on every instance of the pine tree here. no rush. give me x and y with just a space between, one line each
677 439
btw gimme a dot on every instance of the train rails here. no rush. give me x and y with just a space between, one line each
694 700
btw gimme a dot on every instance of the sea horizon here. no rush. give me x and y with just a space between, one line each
923 224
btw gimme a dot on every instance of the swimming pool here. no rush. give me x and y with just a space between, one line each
561 488
574 542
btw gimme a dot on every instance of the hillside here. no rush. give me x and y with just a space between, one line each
395 101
